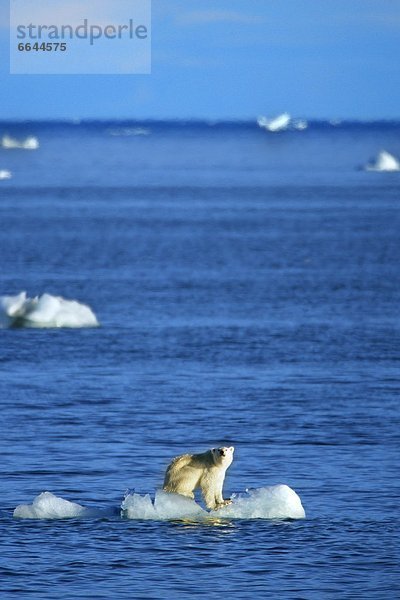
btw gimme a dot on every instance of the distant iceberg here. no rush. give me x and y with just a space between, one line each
30 143
129 131
282 123
279 123
44 311
300 124
4 174
384 162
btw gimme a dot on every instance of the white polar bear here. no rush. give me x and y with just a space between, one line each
205 471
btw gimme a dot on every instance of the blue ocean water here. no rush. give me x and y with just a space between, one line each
247 286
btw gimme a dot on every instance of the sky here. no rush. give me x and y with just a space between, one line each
233 59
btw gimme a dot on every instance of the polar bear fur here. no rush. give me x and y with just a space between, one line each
205 471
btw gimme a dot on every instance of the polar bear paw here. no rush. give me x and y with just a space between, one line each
223 503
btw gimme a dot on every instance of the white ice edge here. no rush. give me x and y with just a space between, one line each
274 502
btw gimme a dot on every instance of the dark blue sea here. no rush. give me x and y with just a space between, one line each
247 289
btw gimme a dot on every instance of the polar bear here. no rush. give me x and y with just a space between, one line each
205 471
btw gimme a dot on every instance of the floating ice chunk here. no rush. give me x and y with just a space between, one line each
275 502
141 131
166 506
279 123
4 174
52 311
384 162
300 125
128 131
49 506
13 306
44 311
30 143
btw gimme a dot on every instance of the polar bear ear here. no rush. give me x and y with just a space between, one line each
232 449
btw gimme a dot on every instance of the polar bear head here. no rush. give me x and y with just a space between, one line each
223 457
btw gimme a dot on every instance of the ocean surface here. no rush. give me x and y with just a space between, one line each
247 289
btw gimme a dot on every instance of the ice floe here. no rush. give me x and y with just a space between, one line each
29 143
5 174
300 124
282 122
275 502
44 311
129 131
49 506
279 123
384 162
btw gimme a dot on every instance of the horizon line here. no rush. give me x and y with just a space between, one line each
202 120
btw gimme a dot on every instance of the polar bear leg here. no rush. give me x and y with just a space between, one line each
211 487
209 499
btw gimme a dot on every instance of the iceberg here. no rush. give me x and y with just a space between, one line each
279 123
4 174
384 162
44 311
30 143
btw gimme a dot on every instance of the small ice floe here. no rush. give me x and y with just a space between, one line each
29 143
276 502
384 162
128 131
279 123
49 506
4 174
282 122
300 124
44 311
